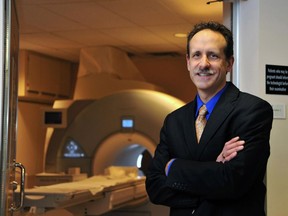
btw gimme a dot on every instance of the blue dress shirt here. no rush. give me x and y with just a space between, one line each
210 104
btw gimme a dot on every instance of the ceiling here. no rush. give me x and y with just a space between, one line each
61 28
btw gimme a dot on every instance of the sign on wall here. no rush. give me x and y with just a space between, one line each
277 79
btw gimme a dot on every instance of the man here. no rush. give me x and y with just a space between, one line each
222 173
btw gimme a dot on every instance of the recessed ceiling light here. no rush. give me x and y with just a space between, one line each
180 35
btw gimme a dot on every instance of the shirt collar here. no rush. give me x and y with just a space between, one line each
211 103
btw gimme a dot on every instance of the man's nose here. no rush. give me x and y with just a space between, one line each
204 62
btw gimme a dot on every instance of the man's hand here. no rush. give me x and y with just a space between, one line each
230 149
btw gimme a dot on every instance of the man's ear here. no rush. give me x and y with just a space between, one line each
230 63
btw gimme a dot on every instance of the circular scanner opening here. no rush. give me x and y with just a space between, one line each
120 150
134 155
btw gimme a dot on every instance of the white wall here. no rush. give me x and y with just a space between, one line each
263 40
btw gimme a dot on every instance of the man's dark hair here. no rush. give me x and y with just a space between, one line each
216 27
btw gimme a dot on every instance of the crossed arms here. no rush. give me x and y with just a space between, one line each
228 153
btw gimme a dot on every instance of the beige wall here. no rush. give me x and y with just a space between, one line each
30 138
168 72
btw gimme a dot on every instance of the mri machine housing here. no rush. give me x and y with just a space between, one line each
111 131
96 126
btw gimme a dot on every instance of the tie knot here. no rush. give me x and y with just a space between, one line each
203 110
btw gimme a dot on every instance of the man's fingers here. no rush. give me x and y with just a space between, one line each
232 140
231 156
233 143
228 152
230 149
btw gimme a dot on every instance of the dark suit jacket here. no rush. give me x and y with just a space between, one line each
196 182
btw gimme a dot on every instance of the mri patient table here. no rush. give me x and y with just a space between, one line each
93 196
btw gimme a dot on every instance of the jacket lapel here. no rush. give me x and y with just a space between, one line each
223 108
189 128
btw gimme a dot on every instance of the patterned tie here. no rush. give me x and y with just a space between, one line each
200 122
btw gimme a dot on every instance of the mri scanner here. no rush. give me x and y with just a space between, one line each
110 141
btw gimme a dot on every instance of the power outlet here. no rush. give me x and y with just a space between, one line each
279 111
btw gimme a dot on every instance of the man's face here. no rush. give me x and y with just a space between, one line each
207 62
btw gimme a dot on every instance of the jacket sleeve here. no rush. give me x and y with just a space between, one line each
156 180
